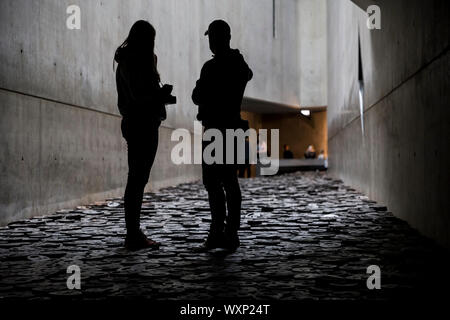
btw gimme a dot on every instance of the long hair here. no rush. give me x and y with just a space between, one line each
139 46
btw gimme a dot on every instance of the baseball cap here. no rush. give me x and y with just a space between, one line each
218 27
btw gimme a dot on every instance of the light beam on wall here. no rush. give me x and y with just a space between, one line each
361 105
361 86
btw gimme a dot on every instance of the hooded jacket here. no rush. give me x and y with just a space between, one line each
220 90
140 99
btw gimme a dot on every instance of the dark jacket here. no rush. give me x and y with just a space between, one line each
220 90
140 99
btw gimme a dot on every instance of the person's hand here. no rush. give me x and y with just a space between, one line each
167 94
166 90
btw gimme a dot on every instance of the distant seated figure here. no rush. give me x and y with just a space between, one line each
287 153
310 153
321 155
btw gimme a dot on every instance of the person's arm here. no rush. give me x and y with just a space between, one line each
199 95
143 87
249 72
196 94
246 72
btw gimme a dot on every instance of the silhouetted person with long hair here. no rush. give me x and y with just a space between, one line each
141 102
219 93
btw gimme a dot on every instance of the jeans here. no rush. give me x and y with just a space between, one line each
142 146
221 183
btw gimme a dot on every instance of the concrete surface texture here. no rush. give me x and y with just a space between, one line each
60 127
401 159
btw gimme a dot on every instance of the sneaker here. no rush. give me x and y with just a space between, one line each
140 241
231 242
210 244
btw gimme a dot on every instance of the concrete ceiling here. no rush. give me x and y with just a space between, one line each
269 107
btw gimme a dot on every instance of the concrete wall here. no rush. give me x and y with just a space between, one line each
402 157
313 52
60 127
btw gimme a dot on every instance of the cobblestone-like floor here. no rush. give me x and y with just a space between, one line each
304 236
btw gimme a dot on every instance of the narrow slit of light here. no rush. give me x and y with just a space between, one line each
361 105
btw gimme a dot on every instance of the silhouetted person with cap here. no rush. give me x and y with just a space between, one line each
141 102
219 93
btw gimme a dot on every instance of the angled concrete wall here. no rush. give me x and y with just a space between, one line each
402 156
59 124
